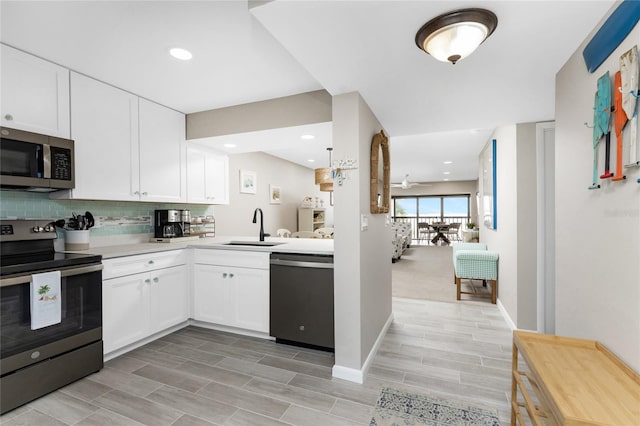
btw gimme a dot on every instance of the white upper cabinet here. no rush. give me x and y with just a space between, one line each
162 153
126 148
35 94
105 129
207 176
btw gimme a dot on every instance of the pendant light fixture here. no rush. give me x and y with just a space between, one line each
455 35
323 176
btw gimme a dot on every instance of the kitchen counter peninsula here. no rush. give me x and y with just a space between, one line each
285 245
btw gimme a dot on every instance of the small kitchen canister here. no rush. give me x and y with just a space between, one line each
76 239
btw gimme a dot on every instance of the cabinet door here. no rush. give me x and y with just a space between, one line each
162 153
217 178
105 130
211 294
169 293
125 311
207 176
35 94
196 166
250 298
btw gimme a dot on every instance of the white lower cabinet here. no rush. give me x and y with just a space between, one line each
226 294
169 298
138 305
125 311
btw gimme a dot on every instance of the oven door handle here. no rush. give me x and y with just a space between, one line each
70 272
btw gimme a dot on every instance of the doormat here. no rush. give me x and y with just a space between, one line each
396 407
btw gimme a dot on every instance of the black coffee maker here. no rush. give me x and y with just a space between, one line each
172 223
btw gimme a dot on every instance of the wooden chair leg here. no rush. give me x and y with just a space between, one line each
494 291
457 288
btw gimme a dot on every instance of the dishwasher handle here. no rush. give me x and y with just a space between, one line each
300 264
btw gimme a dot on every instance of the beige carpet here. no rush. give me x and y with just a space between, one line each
426 272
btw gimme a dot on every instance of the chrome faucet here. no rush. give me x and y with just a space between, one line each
255 213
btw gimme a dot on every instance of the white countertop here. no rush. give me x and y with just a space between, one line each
288 245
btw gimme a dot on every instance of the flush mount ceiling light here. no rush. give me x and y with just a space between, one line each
455 35
229 145
307 137
179 53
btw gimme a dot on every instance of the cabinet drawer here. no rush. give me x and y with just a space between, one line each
128 265
237 258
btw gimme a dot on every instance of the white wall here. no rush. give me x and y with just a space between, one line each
362 258
504 240
598 231
295 181
527 226
515 237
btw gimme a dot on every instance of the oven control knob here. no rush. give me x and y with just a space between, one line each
48 228
38 229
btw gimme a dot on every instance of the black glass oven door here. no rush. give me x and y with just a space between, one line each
81 289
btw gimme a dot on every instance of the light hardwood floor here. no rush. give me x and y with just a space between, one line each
197 376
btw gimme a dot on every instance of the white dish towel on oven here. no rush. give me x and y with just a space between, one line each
46 300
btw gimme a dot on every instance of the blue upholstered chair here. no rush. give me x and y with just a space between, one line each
477 265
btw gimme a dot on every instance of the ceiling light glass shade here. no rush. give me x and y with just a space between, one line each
455 35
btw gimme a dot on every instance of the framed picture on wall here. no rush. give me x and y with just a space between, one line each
489 201
248 182
274 194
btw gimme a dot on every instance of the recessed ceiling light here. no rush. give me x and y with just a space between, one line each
447 162
447 173
311 161
229 145
307 137
181 54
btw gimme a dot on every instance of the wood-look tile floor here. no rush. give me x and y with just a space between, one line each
197 376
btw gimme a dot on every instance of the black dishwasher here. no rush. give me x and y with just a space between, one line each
301 299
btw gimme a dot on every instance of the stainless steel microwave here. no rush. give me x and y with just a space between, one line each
35 162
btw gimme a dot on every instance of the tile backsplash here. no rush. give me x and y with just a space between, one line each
118 217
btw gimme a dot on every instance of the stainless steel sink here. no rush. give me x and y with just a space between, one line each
252 243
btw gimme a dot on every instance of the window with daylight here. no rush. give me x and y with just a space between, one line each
433 208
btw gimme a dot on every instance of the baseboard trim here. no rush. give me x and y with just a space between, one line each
123 350
355 375
228 329
506 316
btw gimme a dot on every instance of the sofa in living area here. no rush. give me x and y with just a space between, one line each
401 239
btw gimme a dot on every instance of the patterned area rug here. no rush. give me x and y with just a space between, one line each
400 408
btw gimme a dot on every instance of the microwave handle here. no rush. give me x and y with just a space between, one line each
46 160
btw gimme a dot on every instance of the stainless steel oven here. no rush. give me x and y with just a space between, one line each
36 362
35 162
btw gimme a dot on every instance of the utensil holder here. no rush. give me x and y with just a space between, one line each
76 239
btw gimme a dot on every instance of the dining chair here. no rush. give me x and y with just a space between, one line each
304 234
324 232
425 230
453 231
283 233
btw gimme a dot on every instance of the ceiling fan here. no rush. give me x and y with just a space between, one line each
405 184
